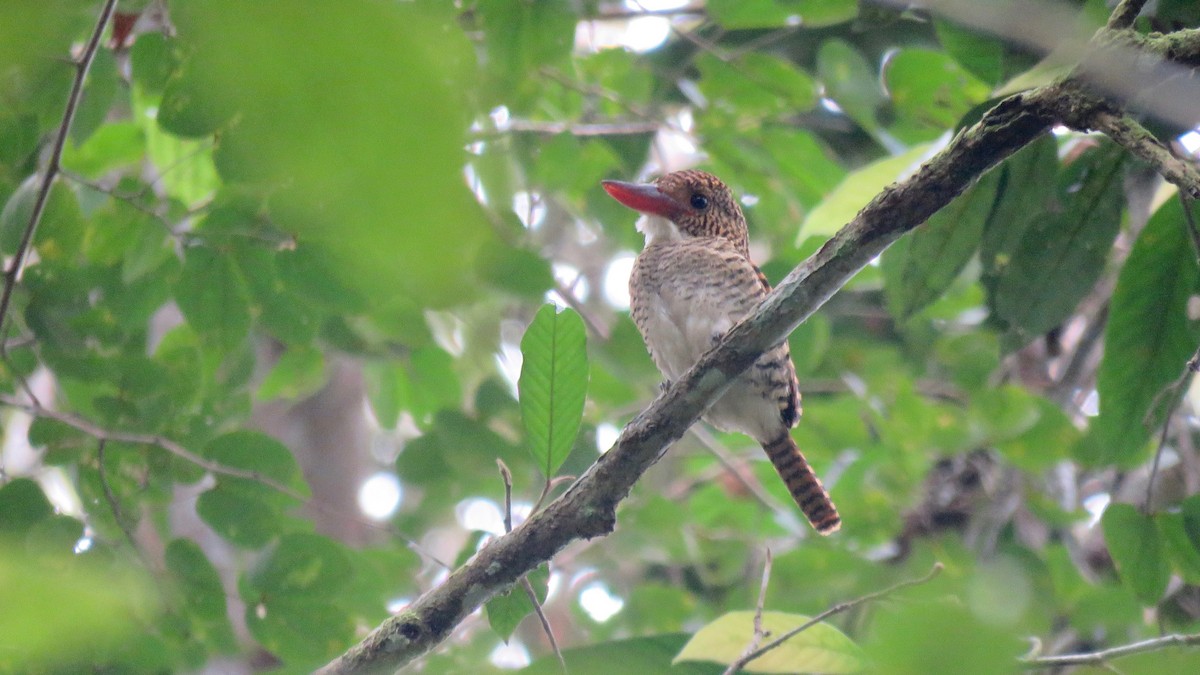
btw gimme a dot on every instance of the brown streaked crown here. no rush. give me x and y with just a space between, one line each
708 207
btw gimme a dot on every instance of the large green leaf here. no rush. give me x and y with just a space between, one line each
1137 548
553 384
756 84
819 649
856 190
851 81
197 579
1060 256
1147 342
929 92
362 165
1026 194
920 267
39 634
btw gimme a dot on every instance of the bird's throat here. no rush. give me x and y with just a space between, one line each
657 229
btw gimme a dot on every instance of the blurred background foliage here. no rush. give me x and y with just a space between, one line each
304 242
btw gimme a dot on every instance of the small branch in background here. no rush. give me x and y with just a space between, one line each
839 608
132 199
13 273
759 633
99 433
1125 13
506 476
1102 657
1135 138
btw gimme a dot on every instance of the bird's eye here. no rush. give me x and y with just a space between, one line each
699 202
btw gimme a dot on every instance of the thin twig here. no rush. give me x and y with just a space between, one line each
842 607
731 465
1162 443
759 633
1102 657
506 476
13 273
114 504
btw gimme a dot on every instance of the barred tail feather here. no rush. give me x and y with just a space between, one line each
804 485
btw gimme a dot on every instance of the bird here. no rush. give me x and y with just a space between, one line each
692 282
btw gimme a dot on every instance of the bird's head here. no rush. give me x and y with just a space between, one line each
682 205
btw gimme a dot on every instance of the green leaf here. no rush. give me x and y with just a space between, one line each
242 517
1137 549
60 231
979 53
756 84
505 611
22 505
100 91
851 82
152 60
188 172
37 634
1147 341
422 384
213 298
114 145
1026 195
930 92
856 190
1183 537
257 452
1060 257
299 372
920 267
740 14
819 649
196 578
515 270
553 384
302 566
519 38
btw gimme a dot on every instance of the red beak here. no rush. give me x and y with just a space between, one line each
643 197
